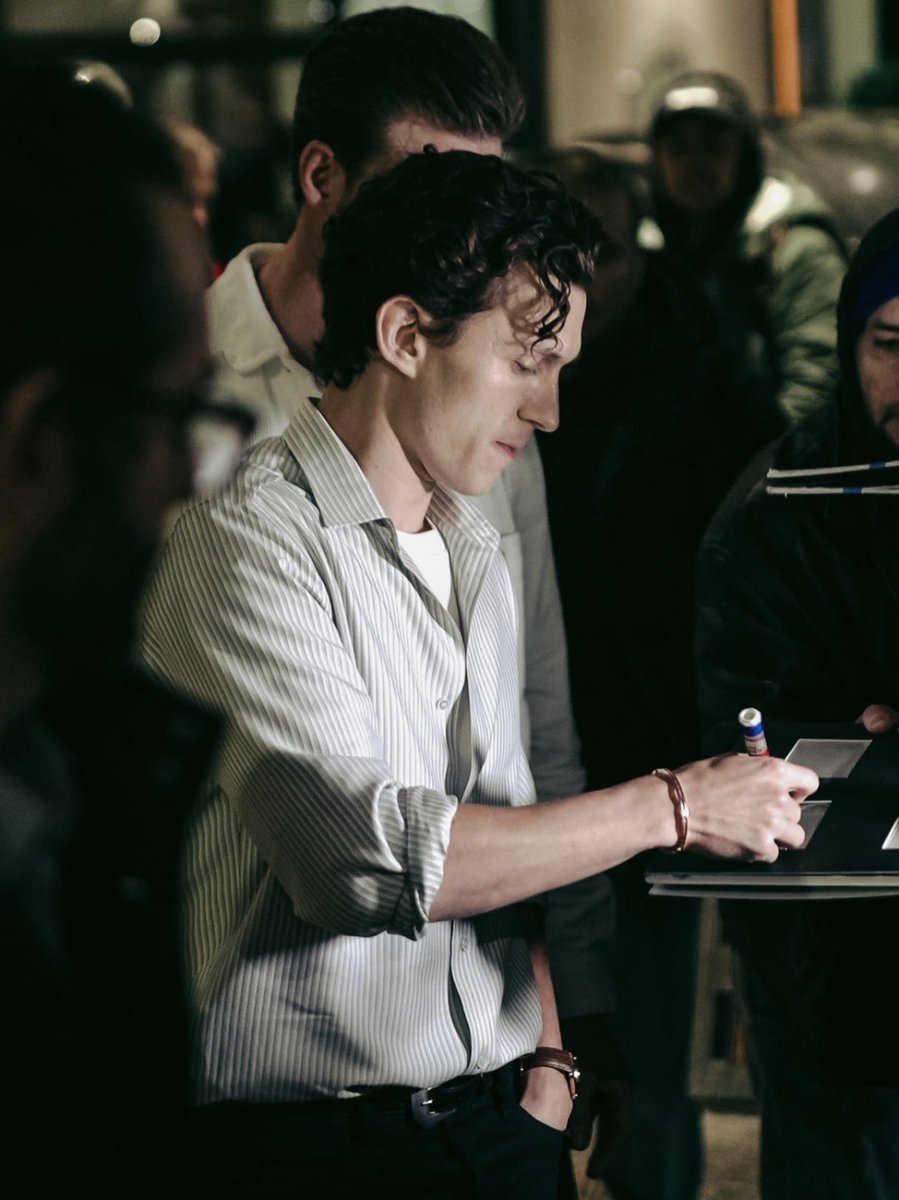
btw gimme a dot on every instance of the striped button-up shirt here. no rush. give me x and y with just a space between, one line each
359 717
254 364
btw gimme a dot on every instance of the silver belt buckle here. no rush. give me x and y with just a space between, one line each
423 1110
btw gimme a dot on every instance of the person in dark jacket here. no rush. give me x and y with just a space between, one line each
763 247
656 423
799 616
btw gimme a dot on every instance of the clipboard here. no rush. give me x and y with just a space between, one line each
851 822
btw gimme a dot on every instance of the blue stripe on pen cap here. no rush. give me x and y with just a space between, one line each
751 720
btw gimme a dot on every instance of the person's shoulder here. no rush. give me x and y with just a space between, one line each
238 274
750 516
235 308
740 506
789 220
812 245
268 494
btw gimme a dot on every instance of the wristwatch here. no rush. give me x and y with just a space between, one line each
559 1060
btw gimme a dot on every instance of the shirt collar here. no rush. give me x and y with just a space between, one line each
344 495
243 326
339 486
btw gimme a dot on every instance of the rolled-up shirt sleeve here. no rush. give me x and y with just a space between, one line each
240 616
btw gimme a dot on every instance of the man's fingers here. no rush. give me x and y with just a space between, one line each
798 781
878 718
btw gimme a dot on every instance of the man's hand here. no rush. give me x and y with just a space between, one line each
879 718
604 1090
745 807
547 1097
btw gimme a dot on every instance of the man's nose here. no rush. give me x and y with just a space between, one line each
542 406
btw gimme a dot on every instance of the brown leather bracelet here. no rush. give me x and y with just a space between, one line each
559 1060
679 800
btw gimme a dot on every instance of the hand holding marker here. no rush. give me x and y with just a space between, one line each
753 733
754 739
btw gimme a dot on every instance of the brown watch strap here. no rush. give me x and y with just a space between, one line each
559 1060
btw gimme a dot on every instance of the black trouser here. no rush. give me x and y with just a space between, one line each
486 1146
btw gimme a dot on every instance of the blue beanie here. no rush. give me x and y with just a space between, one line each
877 284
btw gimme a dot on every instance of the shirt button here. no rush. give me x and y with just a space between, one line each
443 704
465 943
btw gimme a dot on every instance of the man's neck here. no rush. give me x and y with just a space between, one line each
288 282
359 417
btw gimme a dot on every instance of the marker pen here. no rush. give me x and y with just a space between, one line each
753 732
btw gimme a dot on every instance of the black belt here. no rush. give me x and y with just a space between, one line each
430 1106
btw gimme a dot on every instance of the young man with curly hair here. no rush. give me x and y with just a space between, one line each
369 994
374 88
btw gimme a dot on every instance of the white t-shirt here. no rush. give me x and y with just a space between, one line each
429 553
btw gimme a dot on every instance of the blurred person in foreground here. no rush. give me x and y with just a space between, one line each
103 361
374 1009
655 424
764 248
799 615
373 89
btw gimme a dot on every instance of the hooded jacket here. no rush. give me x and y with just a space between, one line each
798 615
769 258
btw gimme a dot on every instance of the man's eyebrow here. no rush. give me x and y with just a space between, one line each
550 354
886 326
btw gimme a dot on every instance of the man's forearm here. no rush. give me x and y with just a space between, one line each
546 1094
739 807
498 856
551 1033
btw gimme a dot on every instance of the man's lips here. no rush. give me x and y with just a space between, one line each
511 448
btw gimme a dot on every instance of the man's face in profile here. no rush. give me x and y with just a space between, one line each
877 359
478 400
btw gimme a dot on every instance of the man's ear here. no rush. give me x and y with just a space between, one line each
35 452
322 179
400 337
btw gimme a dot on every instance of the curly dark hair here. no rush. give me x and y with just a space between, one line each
446 229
